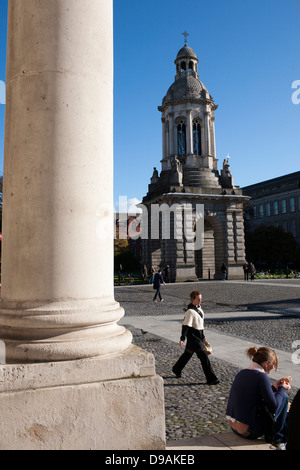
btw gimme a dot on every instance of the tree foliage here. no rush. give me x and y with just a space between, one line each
271 247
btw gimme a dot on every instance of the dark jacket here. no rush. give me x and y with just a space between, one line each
158 280
248 388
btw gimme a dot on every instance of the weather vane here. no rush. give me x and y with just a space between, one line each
185 34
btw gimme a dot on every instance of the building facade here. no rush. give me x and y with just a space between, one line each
275 202
199 197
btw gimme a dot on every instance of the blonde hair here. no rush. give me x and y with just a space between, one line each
263 354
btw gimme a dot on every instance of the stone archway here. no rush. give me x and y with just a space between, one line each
210 258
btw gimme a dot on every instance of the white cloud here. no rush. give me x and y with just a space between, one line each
127 205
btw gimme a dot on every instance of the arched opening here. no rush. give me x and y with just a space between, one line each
183 66
197 148
210 258
181 139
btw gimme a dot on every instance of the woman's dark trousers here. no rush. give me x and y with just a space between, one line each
205 362
157 293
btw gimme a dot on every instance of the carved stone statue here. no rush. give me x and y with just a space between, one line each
176 169
154 178
226 167
226 177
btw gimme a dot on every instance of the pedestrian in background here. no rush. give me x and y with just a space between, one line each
151 275
252 271
166 273
157 282
224 272
246 271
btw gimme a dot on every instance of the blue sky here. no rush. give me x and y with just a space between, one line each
249 57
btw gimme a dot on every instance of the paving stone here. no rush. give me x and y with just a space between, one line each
192 407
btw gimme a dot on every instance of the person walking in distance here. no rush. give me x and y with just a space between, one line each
193 331
252 271
157 282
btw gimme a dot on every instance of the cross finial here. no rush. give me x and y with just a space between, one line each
185 34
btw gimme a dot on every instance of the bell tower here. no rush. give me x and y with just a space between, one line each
188 125
189 177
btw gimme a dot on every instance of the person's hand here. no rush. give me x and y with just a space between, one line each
181 343
283 383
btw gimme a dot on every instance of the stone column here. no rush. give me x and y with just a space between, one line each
235 243
207 133
57 270
231 259
213 138
164 152
189 133
78 382
185 255
172 135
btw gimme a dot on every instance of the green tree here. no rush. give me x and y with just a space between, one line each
271 247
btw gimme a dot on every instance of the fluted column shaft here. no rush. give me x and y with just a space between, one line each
57 263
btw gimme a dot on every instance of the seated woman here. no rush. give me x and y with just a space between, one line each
250 388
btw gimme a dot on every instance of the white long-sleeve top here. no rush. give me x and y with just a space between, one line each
193 319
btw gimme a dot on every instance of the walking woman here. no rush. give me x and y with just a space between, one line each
193 331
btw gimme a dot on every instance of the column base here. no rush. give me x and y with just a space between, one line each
106 403
62 331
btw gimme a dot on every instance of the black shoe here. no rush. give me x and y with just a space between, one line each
213 382
178 374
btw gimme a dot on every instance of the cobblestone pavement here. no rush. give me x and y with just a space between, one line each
192 407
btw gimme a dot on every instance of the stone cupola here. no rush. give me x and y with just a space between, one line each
188 127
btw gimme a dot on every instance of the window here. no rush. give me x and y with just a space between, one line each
268 209
292 204
276 208
181 138
261 210
197 138
283 206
